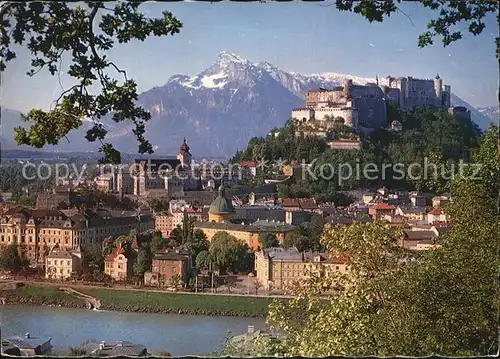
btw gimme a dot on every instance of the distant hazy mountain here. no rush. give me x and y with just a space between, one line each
491 112
221 108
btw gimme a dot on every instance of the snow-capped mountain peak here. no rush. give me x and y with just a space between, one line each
226 58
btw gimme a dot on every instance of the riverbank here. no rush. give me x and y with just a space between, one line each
142 301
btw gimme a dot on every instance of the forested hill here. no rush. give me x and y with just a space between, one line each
427 133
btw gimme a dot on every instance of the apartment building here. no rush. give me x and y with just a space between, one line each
278 268
167 264
61 263
119 264
37 232
166 222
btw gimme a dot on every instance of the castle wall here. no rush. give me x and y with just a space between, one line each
321 98
372 112
344 145
345 112
419 92
301 114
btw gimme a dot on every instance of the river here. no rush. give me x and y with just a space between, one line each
178 334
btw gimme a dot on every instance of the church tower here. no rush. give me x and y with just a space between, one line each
184 156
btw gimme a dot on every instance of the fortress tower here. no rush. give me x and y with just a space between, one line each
438 89
347 84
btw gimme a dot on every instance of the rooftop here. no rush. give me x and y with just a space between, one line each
221 204
118 348
28 341
419 235
293 255
259 226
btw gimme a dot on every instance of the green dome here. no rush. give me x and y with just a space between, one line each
221 205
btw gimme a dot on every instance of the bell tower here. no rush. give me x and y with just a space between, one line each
184 156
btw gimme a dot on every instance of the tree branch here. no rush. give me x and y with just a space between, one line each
405 14
119 70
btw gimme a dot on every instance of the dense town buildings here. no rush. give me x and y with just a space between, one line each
38 231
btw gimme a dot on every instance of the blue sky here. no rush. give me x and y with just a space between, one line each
300 37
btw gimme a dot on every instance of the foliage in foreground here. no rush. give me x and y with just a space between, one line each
443 301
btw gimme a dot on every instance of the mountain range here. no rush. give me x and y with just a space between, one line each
218 110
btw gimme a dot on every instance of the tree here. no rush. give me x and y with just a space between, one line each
351 310
10 258
230 282
187 227
176 281
77 352
51 30
120 241
197 244
157 242
228 253
299 241
268 240
203 260
452 16
257 284
159 205
94 256
108 245
144 261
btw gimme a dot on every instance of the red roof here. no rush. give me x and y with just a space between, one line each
436 211
249 164
191 210
308 203
339 260
115 253
290 202
384 206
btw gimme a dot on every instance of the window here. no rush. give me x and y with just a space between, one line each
55 262
67 263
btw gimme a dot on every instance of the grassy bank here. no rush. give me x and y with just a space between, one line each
152 302
38 295
143 302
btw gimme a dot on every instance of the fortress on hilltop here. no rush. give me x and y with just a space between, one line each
364 107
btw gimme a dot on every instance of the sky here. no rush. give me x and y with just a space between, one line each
295 36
